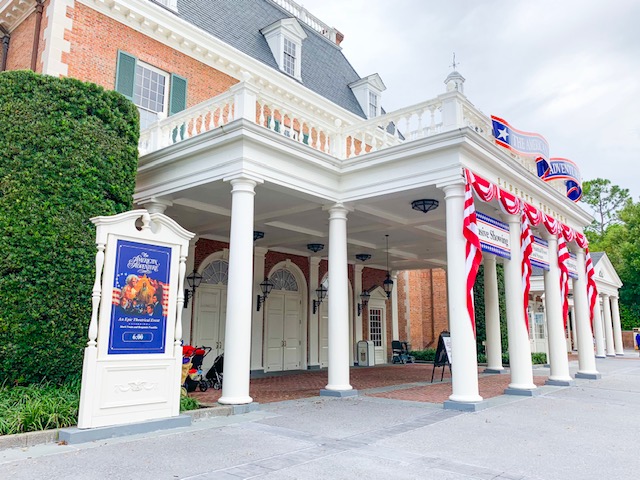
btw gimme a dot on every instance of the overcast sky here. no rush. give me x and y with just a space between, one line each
566 69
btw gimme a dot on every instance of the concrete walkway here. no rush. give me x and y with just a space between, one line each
589 431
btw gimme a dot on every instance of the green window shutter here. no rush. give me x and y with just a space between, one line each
126 74
178 95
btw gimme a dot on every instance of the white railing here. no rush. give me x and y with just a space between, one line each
303 15
198 119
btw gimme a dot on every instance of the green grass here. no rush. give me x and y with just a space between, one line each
46 406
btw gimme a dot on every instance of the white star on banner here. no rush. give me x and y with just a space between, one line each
502 134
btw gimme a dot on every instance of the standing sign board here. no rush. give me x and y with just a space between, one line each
443 354
133 359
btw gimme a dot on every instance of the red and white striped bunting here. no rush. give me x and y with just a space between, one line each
473 252
563 256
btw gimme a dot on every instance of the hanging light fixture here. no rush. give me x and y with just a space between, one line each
266 286
321 293
257 235
388 283
364 300
363 257
425 205
315 247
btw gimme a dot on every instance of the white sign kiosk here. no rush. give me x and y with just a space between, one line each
133 359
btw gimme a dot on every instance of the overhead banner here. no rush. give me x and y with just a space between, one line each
540 253
534 145
524 143
494 235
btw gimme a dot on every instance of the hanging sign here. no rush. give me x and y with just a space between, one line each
572 265
494 235
524 143
540 254
565 169
140 291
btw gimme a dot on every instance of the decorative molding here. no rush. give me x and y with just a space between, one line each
138 386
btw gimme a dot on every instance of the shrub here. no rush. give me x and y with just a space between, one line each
427 355
68 152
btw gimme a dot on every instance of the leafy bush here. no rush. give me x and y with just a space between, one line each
68 152
538 358
188 403
427 355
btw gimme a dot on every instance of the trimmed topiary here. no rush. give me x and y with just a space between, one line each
68 152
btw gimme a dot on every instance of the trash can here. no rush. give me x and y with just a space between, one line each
366 353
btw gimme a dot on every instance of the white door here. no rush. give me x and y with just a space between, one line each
376 333
324 334
284 345
210 317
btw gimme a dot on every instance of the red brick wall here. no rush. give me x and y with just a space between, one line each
205 247
95 41
21 45
273 258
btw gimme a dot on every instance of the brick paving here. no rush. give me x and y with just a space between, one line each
290 386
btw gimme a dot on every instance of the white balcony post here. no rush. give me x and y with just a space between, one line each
617 327
452 114
586 356
558 359
338 374
492 316
245 96
464 378
237 341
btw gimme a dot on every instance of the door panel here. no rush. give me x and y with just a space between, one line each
324 334
275 326
210 321
292 341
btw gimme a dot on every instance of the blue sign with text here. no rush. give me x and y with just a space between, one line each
139 299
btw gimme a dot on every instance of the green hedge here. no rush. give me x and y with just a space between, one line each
68 152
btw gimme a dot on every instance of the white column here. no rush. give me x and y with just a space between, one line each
492 316
394 309
464 379
608 328
314 326
237 342
358 288
257 340
338 305
574 330
586 356
598 332
558 360
617 327
519 345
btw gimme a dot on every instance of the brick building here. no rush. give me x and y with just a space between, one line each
259 136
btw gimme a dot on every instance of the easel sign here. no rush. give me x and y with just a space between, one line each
443 354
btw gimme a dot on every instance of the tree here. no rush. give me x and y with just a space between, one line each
606 201
68 152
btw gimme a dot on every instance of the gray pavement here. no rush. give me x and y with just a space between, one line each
588 431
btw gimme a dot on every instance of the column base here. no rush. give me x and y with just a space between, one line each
601 356
619 354
246 408
313 367
589 376
612 355
464 406
522 392
560 383
235 400
338 393
496 371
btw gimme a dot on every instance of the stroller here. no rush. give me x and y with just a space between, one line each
192 358
214 375
400 352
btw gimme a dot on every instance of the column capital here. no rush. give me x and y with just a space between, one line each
454 189
260 251
156 205
489 257
337 210
358 268
315 261
243 179
511 218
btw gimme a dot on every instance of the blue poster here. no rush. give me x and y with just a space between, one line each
140 298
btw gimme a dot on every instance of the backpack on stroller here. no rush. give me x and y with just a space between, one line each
214 375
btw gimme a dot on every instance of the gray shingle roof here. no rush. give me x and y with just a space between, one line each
325 70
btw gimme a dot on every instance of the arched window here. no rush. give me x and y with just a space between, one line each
216 273
284 280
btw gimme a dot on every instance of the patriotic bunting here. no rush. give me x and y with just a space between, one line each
473 254
509 202
526 242
485 190
563 256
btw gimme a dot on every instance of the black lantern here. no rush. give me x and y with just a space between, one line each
321 293
193 280
266 286
388 283
364 300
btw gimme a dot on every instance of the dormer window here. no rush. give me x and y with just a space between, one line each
368 91
289 60
285 41
373 105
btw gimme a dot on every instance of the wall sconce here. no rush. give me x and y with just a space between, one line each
363 257
425 205
388 283
266 286
364 300
315 247
193 280
321 293
257 235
